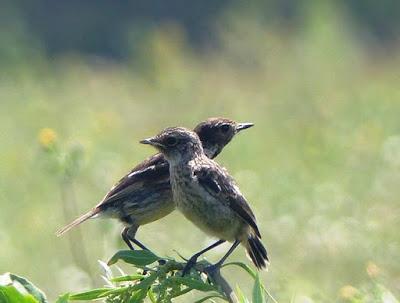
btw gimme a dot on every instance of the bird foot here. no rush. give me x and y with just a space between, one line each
211 270
162 262
189 265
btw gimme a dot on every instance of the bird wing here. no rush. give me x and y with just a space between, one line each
217 182
154 169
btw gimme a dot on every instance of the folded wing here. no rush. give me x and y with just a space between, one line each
219 184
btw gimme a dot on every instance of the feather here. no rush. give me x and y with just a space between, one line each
78 221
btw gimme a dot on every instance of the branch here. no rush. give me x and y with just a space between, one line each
224 285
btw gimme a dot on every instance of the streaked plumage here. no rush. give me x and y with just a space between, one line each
206 194
144 195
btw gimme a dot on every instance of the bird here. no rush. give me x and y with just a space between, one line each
144 194
208 196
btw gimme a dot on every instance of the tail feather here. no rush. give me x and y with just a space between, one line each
257 252
77 221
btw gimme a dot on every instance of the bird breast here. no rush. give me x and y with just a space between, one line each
208 213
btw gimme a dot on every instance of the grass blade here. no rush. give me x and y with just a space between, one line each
243 266
258 294
242 298
253 274
210 297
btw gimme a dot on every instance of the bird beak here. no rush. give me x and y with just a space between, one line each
242 126
151 141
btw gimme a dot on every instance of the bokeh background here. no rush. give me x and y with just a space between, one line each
321 169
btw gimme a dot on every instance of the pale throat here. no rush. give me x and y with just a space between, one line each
180 157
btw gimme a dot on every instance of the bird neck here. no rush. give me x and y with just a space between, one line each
211 150
191 152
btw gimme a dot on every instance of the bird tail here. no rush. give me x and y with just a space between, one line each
257 252
77 221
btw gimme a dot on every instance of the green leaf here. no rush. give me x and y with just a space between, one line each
91 294
116 291
210 297
63 299
146 283
9 294
18 289
143 285
152 296
127 278
136 257
30 288
258 294
253 274
244 266
138 296
179 293
193 284
242 298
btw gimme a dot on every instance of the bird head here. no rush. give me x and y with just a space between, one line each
176 143
215 133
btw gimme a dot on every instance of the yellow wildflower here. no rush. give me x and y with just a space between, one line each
47 137
372 269
348 292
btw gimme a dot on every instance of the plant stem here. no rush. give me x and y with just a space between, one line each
76 242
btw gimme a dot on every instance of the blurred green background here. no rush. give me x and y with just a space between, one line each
321 169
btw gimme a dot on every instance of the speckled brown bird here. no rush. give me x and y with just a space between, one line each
208 196
144 195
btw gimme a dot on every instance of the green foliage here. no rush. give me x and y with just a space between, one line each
16 289
9 294
241 297
136 257
258 293
63 298
258 287
161 281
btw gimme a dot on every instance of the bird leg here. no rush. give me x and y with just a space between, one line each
125 237
192 261
212 268
138 243
128 235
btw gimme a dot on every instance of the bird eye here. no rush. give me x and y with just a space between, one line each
171 141
224 128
